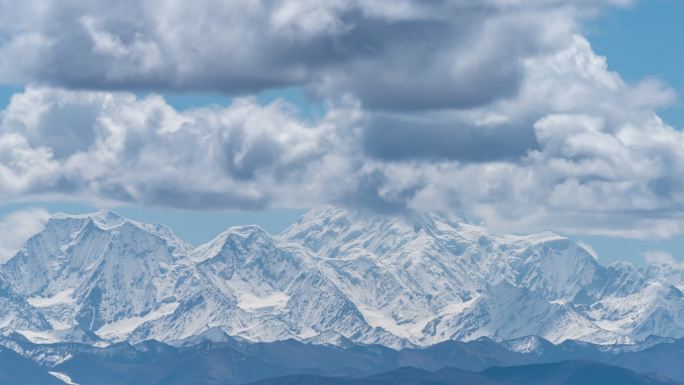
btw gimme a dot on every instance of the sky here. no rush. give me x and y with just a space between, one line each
644 41
528 116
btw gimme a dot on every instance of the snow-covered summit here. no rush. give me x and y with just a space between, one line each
333 276
102 218
433 277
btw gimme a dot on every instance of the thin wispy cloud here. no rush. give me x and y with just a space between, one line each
17 227
659 257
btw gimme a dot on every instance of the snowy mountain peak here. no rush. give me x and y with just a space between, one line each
242 237
530 345
102 218
334 276
331 217
246 233
109 221
107 218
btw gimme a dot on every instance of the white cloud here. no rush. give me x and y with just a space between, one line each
17 227
658 257
509 116
117 147
389 54
589 249
603 163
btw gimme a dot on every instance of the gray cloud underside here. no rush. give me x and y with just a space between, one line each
498 109
399 54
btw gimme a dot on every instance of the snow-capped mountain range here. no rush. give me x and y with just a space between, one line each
335 275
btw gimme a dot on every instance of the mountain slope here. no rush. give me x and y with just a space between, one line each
216 358
261 288
17 370
665 359
16 313
335 275
428 278
565 373
101 273
123 280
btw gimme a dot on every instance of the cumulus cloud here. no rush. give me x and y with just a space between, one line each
599 161
446 136
497 109
17 227
603 161
123 148
396 55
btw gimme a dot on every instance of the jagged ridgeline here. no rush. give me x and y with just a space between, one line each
335 275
